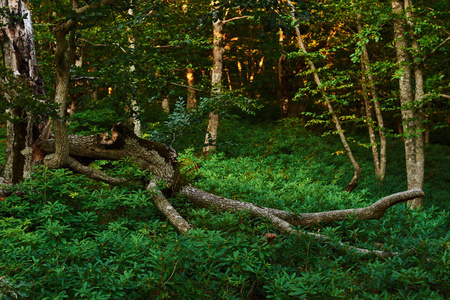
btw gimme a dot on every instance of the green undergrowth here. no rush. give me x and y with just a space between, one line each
63 236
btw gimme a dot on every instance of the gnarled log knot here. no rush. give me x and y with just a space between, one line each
155 157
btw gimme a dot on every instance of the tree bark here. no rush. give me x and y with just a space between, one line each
64 58
134 106
411 115
216 82
417 181
357 169
165 104
19 56
152 156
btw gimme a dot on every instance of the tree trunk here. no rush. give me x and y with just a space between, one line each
417 181
191 95
411 116
357 169
379 161
64 58
19 56
216 82
165 104
134 106
282 79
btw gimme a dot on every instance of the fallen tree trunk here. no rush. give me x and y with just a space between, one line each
161 161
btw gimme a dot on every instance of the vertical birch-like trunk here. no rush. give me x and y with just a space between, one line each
357 169
19 56
191 95
216 82
379 161
411 117
134 106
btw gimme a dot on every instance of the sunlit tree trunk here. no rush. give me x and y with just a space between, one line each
411 112
357 169
282 79
19 56
191 95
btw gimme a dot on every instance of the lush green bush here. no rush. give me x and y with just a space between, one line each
65 236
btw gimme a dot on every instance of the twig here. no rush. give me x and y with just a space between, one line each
186 86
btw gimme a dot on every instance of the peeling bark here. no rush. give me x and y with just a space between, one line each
19 56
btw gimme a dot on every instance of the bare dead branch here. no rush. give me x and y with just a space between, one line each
234 19
83 9
374 211
437 48
168 210
83 78
186 86
93 173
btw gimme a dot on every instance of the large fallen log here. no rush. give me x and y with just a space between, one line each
160 160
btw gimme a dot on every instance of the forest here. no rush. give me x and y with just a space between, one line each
225 149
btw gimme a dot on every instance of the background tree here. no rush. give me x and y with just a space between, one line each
19 57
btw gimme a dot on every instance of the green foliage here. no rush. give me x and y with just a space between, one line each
65 236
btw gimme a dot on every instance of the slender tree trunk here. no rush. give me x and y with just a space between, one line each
411 117
370 122
379 161
191 96
282 80
19 56
357 169
216 81
134 106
